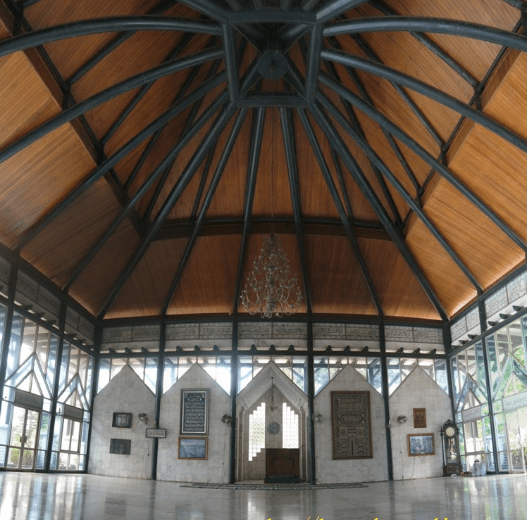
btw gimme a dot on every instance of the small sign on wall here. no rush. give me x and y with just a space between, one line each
120 446
156 433
419 417
122 420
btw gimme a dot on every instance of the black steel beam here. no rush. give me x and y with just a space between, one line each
119 155
271 16
159 395
313 63
220 168
231 63
365 187
309 5
428 25
29 3
340 209
173 197
311 403
431 45
208 7
106 95
433 93
236 5
335 8
356 123
105 25
182 143
114 43
404 96
370 153
343 188
272 99
294 189
252 170
427 157
386 399
264 226
234 394
142 92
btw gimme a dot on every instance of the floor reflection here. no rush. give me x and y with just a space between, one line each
26 496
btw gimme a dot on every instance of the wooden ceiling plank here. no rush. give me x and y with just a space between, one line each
220 168
176 192
145 88
351 113
118 40
430 44
104 167
408 199
130 205
338 203
432 161
257 129
351 165
292 170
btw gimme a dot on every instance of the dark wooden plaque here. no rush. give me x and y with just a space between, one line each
419 417
351 425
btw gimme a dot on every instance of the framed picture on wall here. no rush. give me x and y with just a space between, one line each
122 420
192 448
194 411
421 444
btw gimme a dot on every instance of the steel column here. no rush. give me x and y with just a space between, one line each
483 325
6 335
386 399
55 394
311 402
159 395
234 393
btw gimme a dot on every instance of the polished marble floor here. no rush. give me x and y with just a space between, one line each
26 496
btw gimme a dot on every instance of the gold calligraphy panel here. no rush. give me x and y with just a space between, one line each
351 423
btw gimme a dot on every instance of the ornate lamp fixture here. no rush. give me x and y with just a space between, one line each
270 289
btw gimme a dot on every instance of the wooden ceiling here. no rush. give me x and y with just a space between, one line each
148 148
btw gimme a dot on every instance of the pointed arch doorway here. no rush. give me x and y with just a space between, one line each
272 428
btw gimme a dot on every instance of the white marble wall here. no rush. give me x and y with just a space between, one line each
216 468
418 390
361 470
124 393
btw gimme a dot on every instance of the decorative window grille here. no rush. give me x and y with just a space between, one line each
289 427
256 431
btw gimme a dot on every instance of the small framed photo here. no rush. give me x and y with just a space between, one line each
421 444
194 448
122 420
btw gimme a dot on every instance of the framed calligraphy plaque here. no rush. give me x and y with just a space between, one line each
194 411
419 417
351 425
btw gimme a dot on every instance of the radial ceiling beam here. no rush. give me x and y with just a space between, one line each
370 153
313 63
208 7
110 162
292 172
115 43
105 25
431 45
182 143
351 113
340 209
433 93
69 114
257 129
427 157
157 134
335 8
363 184
180 186
220 168
404 96
186 126
430 25
231 63
143 91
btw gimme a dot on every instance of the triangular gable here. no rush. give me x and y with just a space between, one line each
261 383
124 373
199 371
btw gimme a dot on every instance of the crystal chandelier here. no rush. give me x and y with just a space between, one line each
269 289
